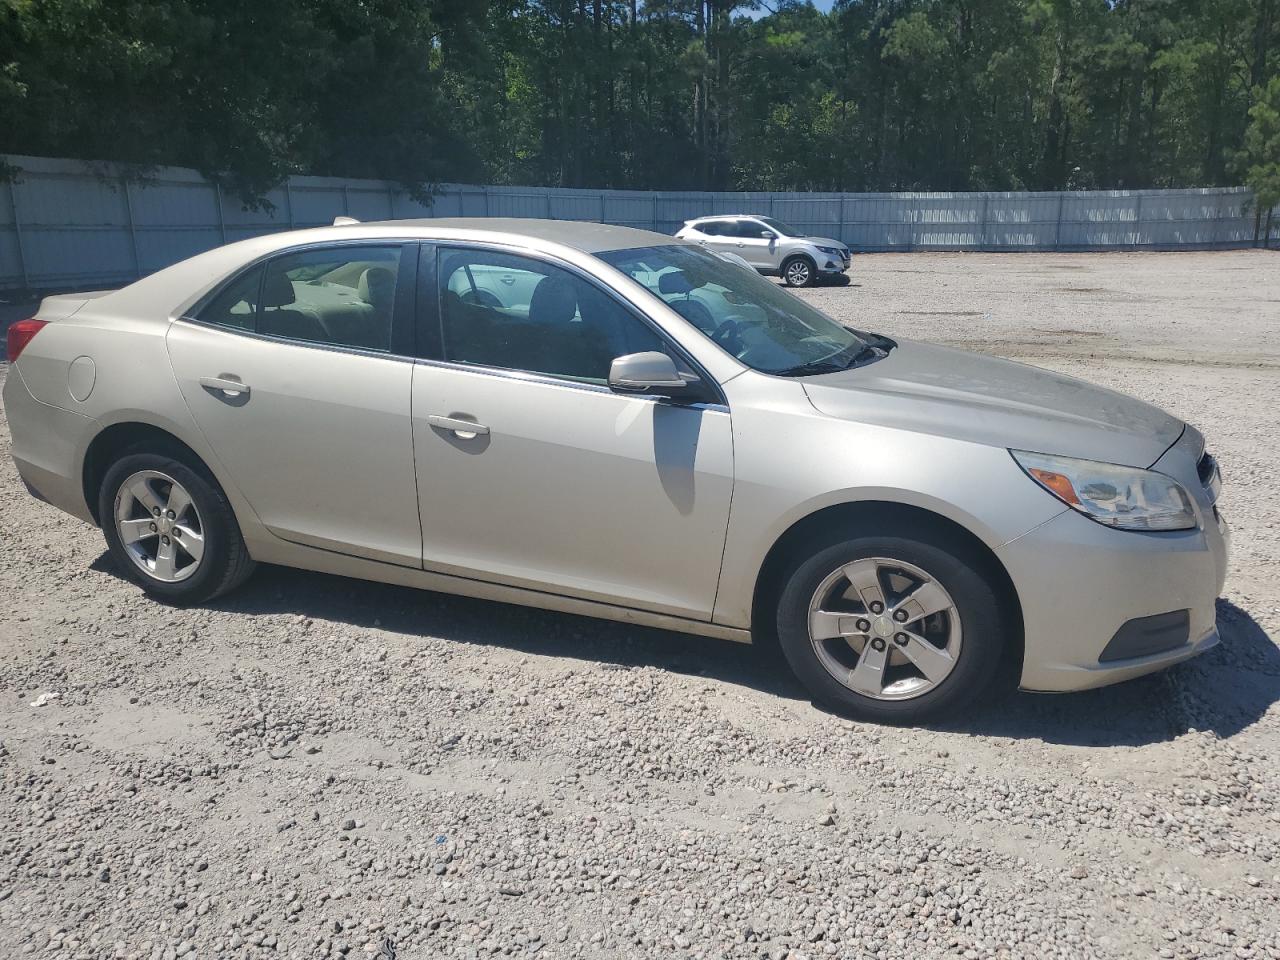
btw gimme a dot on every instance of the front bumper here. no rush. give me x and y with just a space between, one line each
1080 582
830 266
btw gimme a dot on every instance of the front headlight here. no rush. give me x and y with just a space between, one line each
1122 497
831 251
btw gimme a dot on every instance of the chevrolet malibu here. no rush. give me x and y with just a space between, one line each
609 422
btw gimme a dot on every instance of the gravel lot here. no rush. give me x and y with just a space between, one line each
316 764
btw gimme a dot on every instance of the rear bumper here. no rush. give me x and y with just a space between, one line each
48 446
1080 583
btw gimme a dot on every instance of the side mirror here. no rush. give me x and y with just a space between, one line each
643 372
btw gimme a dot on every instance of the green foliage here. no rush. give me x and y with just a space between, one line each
717 94
1262 146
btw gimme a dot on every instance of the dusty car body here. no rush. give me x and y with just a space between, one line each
608 422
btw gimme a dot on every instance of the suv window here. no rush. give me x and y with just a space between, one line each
713 228
339 295
750 230
517 313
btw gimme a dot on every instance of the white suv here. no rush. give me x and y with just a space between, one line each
771 246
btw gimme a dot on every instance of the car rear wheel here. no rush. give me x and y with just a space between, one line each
799 272
171 530
892 629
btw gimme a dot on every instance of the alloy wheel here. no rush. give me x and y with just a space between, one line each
159 526
797 273
884 628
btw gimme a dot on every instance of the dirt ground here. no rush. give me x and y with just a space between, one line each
316 766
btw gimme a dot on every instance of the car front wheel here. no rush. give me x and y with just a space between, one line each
892 629
799 272
170 529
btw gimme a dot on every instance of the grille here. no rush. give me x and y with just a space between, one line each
1206 467
1210 477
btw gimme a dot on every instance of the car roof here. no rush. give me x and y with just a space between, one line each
728 216
586 236
188 279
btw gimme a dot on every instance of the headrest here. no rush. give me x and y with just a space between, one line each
554 301
277 291
677 281
377 285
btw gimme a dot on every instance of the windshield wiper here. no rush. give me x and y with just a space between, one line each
834 363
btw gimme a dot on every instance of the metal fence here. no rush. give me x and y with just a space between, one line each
65 223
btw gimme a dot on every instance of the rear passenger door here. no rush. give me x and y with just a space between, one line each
298 373
715 236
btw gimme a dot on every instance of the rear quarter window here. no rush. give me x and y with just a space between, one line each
236 304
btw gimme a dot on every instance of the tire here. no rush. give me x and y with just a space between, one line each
969 636
799 271
224 562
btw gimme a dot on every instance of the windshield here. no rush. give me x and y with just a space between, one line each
755 320
783 228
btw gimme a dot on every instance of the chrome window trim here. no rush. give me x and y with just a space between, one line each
314 344
588 277
546 379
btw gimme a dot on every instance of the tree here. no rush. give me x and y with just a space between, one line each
1262 148
709 94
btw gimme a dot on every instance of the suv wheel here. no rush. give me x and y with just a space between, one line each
892 629
171 529
799 272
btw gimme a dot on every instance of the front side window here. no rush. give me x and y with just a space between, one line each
341 295
518 313
783 228
751 230
750 317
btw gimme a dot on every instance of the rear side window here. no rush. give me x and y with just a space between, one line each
343 296
714 228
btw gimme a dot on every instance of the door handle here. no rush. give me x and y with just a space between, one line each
227 386
463 429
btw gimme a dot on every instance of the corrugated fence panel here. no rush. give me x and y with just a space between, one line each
174 217
65 223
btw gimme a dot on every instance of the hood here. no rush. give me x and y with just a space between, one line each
826 242
953 393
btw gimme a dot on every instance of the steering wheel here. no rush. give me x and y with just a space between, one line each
728 336
696 313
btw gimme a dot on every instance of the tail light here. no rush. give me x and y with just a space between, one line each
20 335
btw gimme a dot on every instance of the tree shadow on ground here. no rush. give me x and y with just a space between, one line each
1223 691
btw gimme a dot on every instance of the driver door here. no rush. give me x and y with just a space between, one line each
532 472
756 244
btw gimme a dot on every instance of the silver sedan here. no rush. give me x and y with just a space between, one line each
613 423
